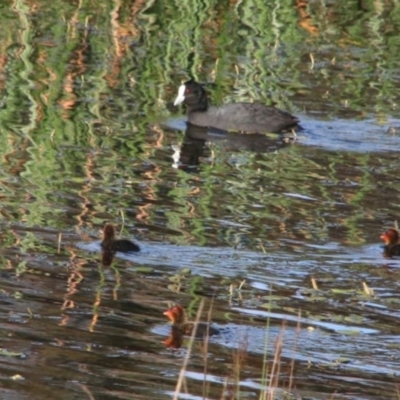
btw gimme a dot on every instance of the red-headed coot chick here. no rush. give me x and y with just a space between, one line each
239 117
109 243
177 316
392 243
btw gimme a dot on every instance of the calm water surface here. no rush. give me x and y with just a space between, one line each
89 135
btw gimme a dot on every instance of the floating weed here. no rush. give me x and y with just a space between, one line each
7 353
343 291
178 280
18 295
352 318
17 377
272 302
355 319
274 298
21 268
144 270
366 293
392 300
185 272
394 346
368 290
236 290
181 275
350 332
314 284
313 295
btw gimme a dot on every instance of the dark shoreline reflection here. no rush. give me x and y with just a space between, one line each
194 146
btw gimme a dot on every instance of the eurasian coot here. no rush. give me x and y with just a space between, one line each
242 117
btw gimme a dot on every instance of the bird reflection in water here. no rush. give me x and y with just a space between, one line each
197 142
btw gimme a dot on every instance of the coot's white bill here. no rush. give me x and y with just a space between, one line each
181 95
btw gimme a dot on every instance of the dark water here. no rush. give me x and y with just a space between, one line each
89 135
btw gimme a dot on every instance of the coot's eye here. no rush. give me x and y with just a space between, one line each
187 91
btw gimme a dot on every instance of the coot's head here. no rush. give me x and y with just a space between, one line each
390 237
193 95
176 314
108 232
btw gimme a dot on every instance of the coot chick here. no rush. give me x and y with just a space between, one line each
392 243
242 117
180 323
110 244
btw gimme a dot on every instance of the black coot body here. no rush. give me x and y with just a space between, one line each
242 117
